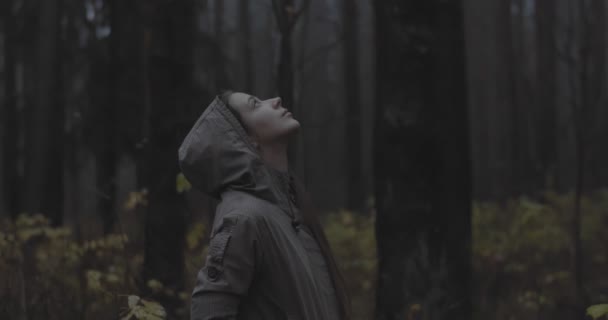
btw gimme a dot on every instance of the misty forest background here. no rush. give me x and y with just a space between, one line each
458 149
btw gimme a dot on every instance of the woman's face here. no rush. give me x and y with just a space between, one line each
267 119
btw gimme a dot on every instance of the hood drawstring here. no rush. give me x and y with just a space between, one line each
295 223
287 184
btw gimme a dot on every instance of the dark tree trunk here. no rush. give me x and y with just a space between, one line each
598 98
81 88
167 65
45 124
526 180
247 49
221 80
546 87
284 13
108 134
355 194
422 169
8 126
507 103
589 75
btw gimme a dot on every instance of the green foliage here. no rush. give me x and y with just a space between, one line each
597 311
144 309
136 198
55 276
195 235
521 257
352 239
353 242
181 183
522 253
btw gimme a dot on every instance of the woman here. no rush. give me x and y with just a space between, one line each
268 256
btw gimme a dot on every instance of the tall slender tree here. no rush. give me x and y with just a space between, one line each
45 123
221 79
355 194
166 80
546 86
422 169
8 125
247 57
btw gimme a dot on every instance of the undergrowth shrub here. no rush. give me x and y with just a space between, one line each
47 274
522 264
523 251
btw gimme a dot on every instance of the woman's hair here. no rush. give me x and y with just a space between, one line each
311 219
224 97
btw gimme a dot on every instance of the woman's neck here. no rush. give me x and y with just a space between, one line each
275 155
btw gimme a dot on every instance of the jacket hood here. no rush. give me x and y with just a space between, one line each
217 155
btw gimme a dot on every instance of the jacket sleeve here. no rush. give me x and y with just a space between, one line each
230 266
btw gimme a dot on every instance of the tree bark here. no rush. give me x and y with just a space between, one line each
546 87
355 196
221 80
247 45
44 131
166 78
8 126
422 162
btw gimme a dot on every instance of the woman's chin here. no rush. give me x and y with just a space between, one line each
293 127
296 124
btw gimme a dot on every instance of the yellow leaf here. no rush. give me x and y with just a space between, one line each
112 278
93 277
136 198
128 315
181 183
195 235
154 309
133 301
597 310
154 284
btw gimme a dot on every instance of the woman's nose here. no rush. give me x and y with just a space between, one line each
277 102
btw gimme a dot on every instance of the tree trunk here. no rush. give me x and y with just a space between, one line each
422 163
167 66
354 185
546 87
44 131
247 49
80 197
221 80
284 11
8 126
598 98
507 109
